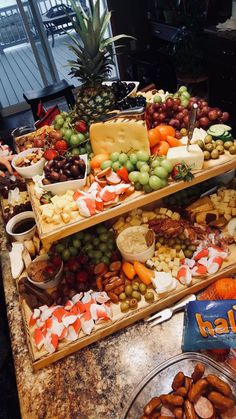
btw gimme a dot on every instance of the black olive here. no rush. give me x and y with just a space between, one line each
67 173
54 176
66 166
61 164
74 170
63 178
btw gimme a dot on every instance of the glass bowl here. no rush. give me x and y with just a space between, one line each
159 380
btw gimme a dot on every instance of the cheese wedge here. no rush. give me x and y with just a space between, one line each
194 157
119 135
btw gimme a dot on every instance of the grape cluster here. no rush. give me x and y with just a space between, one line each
121 89
175 109
131 102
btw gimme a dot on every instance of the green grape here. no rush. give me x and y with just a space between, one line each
133 158
129 166
142 156
140 164
66 255
98 254
164 182
68 134
103 237
87 247
76 243
101 229
155 182
114 156
157 99
185 95
73 251
82 150
105 260
88 237
123 158
103 247
167 165
147 188
105 164
143 178
182 89
155 163
59 248
134 176
161 172
96 241
116 165
184 103
138 186
145 168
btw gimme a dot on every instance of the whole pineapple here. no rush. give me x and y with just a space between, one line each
94 60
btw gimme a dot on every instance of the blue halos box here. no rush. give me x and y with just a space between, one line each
209 325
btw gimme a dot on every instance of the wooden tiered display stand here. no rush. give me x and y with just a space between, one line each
48 234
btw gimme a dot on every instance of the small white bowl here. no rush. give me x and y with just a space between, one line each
141 256
49 284
60 188
20 237
32 170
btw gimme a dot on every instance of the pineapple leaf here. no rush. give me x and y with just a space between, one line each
105 20
112 39
80 15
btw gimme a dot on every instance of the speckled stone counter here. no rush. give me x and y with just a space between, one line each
96 382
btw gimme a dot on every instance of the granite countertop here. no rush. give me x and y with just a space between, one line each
97 381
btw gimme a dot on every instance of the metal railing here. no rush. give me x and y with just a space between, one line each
12 30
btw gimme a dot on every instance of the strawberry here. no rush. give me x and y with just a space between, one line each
181 171
82 276
50 154
61 145
80 126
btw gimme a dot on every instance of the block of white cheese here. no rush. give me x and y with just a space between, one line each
194 157
119 135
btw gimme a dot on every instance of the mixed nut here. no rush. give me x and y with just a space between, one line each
29 159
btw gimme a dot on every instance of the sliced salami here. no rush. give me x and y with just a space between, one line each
204 408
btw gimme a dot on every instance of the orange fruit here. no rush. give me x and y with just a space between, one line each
160 149
165 131
154 137
98 159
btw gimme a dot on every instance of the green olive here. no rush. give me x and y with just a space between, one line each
177 240
187 242
122 296
124 306
228 144
149 296
232 149
135 286
188 253
182 236
219 142
220 149
183 246
207 155
200 144
142 288
208 139
209 147
215 154
133 303
136 295
177 246
128 290
192 247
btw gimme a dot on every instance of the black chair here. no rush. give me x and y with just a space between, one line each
54 91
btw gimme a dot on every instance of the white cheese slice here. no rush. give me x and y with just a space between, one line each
17 264
119 135
194 157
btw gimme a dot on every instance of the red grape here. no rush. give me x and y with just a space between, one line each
204 122
212 115
179 116
225 116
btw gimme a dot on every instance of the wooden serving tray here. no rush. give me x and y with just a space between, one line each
50 232
120 320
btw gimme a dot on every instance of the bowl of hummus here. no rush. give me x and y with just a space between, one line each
42 273
136 243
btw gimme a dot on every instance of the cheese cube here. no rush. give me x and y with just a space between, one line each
47 211
194 157
74 214
234 211
65 217
169 213
56 219
163 211
227 217
176 262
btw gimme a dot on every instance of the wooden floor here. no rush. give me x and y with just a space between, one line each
19 72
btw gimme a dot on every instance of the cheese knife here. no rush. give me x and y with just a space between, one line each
139 110
191 125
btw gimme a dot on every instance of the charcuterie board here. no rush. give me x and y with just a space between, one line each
49 232
40 358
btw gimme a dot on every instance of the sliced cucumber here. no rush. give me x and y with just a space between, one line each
216 133
225 138
220 127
